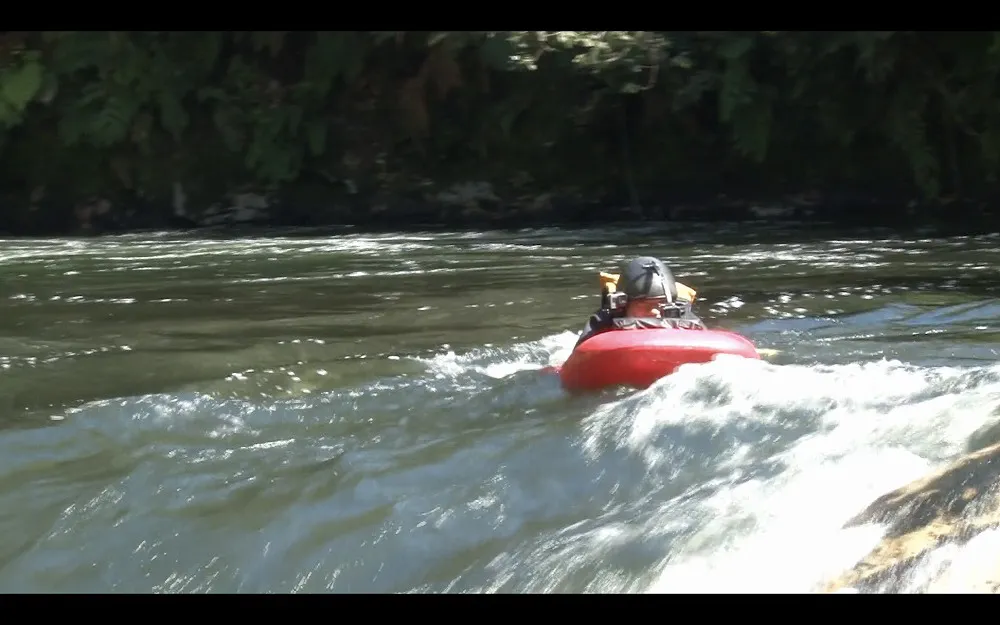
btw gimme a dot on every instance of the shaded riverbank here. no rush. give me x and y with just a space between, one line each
127 130
475 206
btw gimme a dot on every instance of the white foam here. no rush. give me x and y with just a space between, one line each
874 426
883 425
504 362
974 567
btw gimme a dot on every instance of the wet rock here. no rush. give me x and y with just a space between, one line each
973 568
772 211
949 507
86 212
242 208
467 193
985 436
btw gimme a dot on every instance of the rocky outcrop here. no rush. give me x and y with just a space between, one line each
947 508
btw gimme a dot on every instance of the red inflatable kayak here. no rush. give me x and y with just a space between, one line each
637 358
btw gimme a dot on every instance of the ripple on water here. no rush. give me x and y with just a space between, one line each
368 413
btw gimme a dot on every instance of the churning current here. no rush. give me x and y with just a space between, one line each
307 412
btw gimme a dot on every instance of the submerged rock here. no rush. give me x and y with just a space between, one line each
985 436
949 507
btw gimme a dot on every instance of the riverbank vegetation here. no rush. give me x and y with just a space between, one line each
136 127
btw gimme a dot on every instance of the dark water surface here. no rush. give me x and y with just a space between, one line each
366 413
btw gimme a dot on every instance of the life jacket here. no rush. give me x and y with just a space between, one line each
685 292
651 323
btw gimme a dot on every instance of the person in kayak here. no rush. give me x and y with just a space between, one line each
649 298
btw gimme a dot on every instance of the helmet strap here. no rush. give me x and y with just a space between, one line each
655 269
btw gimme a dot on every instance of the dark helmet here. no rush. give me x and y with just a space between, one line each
647 277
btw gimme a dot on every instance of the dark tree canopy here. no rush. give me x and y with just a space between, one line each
132 114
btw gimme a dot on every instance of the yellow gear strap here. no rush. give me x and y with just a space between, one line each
685 292
609 282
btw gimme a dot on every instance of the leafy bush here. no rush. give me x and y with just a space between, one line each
107 112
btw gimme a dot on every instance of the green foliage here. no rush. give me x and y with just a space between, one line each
20 82
275 106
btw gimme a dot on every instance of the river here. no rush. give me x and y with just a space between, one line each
307 412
